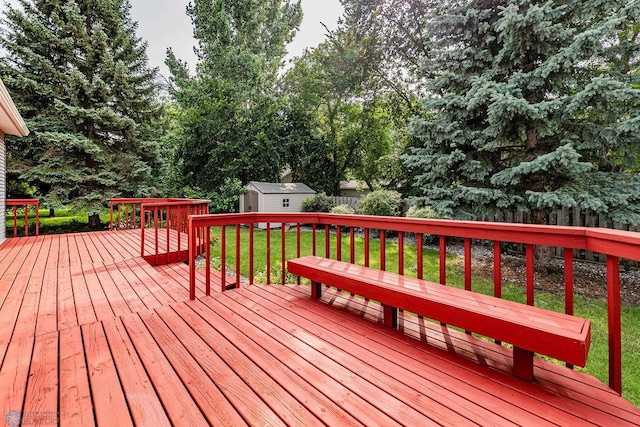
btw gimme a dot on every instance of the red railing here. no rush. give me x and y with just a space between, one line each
25 203
613 243
167 221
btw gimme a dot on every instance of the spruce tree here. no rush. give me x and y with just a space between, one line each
533 105
82 81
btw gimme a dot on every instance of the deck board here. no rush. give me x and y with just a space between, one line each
93 333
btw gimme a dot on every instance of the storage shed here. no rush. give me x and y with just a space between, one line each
274 197
11 123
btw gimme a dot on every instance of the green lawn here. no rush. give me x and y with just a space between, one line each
593 309
63 218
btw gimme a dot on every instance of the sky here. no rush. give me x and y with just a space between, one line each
164 23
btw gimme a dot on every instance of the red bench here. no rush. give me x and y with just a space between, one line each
529 329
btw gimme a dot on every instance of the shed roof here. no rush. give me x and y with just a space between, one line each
281 188
11 122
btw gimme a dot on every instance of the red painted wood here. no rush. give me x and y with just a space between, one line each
568 281
553 334
41 399
352 245
523 364
268 266
530 274
144 403
401 253
443 260
106 392
327 245
207 260
313 239
251 254
75 396
223 257
238 256
615 327
338 243
366 247
383 251
497 270
298 241
467 264
420 256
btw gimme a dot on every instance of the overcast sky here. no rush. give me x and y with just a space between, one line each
164 23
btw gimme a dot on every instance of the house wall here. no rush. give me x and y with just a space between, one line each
3 186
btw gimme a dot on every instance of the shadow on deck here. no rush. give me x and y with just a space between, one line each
93 334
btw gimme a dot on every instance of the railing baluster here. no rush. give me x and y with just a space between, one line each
237 256
143 226
26 220
207 261
298 242
15 221
126 208
168 234
401 253
155 223
420 263
366 247
313 239
530 274
110 215
191 242
338 243
615 331
327 243
443 259
568 281
383 251
223 258
283 252
268 253
352 245
497 270
467 264
251 272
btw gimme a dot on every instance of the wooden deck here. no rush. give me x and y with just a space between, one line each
93 334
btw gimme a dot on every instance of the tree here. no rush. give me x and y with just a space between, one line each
530 108
80 77
231 118
339 124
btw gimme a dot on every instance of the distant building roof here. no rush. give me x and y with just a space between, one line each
11 122
281 188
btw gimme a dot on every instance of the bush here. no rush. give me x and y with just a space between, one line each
319 202
342 210
381 203
426 212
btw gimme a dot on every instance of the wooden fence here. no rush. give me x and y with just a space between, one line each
352 202
572 217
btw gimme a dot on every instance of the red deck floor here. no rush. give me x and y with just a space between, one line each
94 335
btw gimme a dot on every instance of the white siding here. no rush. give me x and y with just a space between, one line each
3 186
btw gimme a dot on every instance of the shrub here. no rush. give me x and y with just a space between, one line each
342 210
381 203
319 202
426 212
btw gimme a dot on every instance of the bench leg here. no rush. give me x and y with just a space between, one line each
523 363
390 315
316 290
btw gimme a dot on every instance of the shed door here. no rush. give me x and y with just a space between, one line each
251 201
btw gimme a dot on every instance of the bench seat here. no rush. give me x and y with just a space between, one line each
529 329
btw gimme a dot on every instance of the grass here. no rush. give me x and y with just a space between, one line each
593 309
63 219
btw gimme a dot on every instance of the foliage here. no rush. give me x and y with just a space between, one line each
381 203
319 202
342 210
80 78
225 199
424 212
338 123
532 106
230 119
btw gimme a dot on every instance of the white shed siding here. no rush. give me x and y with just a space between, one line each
3 186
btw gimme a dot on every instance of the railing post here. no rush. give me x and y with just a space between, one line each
251 275
283 252
615 331
207 258
238 256
192 258
223 258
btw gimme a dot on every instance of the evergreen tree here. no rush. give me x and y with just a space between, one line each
231 121
81 79
533 105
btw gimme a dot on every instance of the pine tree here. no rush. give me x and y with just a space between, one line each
533 105
231 119
80 76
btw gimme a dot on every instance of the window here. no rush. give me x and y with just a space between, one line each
285 203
